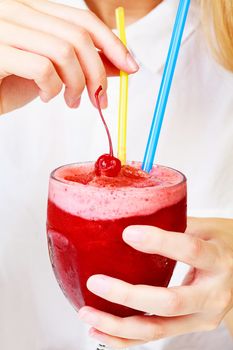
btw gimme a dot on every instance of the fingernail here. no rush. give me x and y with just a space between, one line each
74 103
88 317
44 97
103 100
132 63
133 235
98 284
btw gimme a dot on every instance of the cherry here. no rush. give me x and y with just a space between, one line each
106 164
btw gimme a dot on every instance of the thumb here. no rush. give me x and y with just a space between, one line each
111 70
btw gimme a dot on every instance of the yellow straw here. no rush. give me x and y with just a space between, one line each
123 101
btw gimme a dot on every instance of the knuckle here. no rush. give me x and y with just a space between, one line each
156 332
58 88
65 52
160 243
78 36
225 300
78 84
81 84
195 248
44 70
82 35
174 302
115 328
126 296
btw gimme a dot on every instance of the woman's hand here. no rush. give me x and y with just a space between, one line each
45 45
200 304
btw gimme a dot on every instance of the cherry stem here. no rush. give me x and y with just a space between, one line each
103 120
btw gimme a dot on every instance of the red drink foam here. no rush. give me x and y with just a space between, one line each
87 215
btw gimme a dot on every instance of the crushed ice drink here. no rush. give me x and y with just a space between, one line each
87 215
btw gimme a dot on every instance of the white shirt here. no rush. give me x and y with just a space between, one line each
196 139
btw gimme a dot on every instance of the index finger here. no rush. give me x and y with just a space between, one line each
178 246
158 301
101 35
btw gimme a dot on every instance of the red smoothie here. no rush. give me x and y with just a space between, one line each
87 215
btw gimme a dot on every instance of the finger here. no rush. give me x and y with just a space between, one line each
211 229
178 246
199 227
58 51
154 300
31 66
92 66
134 327
145 328
101 35
110 69
113 342
73 38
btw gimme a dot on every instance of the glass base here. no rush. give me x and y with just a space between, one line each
101 347
104 347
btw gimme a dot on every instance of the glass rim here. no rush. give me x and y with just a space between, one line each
72 183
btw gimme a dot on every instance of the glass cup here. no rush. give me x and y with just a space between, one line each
85 225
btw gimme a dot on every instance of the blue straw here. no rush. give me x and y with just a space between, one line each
165 85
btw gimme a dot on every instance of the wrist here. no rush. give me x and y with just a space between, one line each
229 321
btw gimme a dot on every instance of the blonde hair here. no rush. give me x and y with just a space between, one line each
218 20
